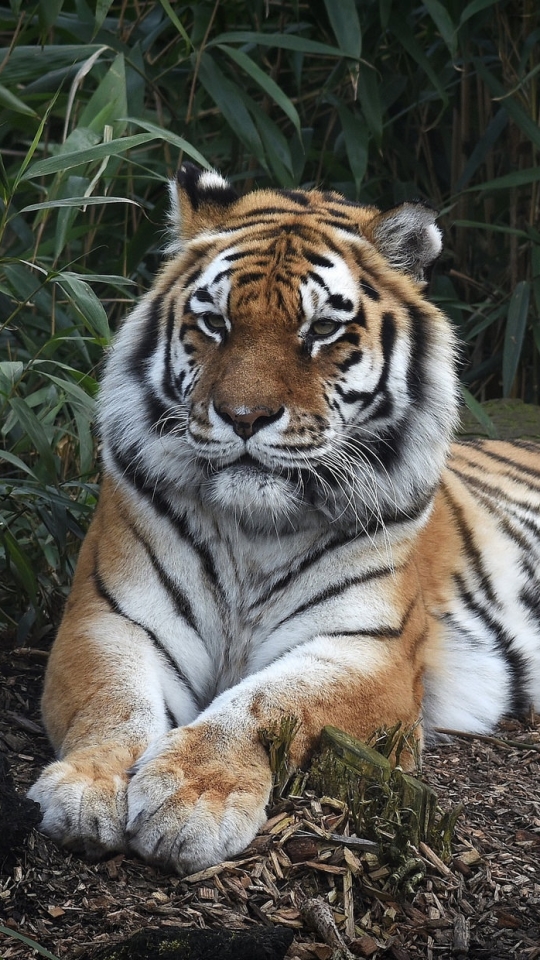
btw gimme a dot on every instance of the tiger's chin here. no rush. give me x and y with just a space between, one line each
255 497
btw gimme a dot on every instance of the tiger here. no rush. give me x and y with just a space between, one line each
286 527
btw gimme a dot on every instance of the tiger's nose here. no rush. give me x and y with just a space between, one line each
246 421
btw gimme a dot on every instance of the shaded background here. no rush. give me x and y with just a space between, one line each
383 100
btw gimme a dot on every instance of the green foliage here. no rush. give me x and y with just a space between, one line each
98 102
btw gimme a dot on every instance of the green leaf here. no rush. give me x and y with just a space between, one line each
370 101
356 144
479 413
174 20
48 11
344 20
85 302
68 160
265 82
22 565
385 9
17 463
482 147
286 41
76 202
230 102
168 137
102 9
108 103
525 123
401 29
514 334
11 102
8 932
36 433
441 18
472 8
518 178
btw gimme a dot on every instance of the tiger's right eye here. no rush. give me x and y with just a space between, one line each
214 322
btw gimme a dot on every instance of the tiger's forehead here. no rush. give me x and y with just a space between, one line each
281 269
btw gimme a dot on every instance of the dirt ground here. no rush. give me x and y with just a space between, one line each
484 904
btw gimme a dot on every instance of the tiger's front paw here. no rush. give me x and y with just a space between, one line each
83 800
196 799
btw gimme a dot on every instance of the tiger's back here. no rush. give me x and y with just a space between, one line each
280 530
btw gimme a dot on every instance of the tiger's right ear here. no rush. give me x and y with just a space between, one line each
200 200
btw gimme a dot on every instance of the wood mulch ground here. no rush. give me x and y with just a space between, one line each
484 904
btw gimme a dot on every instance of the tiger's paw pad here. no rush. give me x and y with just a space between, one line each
190 807
84 805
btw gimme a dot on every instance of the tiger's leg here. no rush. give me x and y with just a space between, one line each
103 705
198 794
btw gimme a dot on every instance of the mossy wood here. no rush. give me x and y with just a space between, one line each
389 806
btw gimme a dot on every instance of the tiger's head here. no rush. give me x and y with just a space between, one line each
286 368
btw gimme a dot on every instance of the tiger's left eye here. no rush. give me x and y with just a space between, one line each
324 328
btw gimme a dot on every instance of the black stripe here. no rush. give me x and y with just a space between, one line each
125 463
494 493
467 538
516 662
112 602
338 302
324 595
179 599
372 293
383 633
251 277
318 261
149 341
388 336
296 196
420 342
354 357
161 417
347 228
507 461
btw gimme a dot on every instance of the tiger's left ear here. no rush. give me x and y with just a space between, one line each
407 236
200 200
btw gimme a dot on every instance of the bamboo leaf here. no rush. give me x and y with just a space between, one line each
525 123
479 413
11 102
8 932
265 82
87 304
343 17
356 144
514 334
472 8
370 101
102 9
230 102
482 148
286 41
404 35
21 563
168 137
36 432
174 20
442 20
66 161
518 178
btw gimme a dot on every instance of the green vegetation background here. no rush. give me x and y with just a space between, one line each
383 100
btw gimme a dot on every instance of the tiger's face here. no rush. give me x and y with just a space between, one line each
288 362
